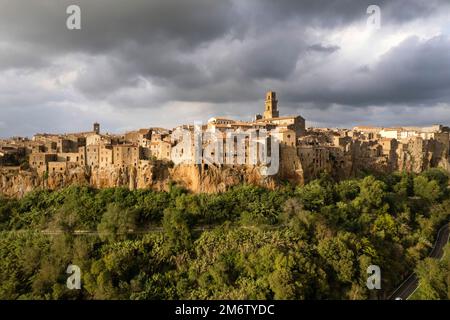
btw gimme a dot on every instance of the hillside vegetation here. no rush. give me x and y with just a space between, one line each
310 242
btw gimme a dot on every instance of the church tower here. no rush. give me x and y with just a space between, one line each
271 108
97 128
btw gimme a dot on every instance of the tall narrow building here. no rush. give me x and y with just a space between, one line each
271 115
271 109
97 128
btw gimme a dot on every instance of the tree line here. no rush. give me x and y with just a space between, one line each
297 242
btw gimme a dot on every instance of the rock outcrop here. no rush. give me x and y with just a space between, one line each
416 156
16 183
156 176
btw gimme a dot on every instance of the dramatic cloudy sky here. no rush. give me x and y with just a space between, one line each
139 63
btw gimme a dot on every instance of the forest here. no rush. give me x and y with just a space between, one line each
296 242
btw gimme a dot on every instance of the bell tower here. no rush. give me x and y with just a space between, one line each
271 106
97 128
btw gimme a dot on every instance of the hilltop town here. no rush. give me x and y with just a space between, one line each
143 158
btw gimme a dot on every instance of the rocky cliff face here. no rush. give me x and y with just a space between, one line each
197 178
15 183
210 179
153 176
156 175
421 155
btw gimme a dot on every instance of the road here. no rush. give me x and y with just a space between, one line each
410 285
130 232
50 232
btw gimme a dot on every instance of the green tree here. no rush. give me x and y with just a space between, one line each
347 190
372 194
177 230
315 195
116 223
339 257
434 278
427 189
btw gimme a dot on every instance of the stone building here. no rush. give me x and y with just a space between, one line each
106 156
140 137
271 106
304 154
92 155
271 116
161 150
125 155
39 161
57 167
69 157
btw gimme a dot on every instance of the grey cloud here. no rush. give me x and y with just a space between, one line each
144 54
331 14
108 23
323 48
414 72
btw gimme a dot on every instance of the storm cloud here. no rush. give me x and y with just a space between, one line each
143 63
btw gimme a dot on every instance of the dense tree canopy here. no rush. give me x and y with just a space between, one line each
434 278
306 242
